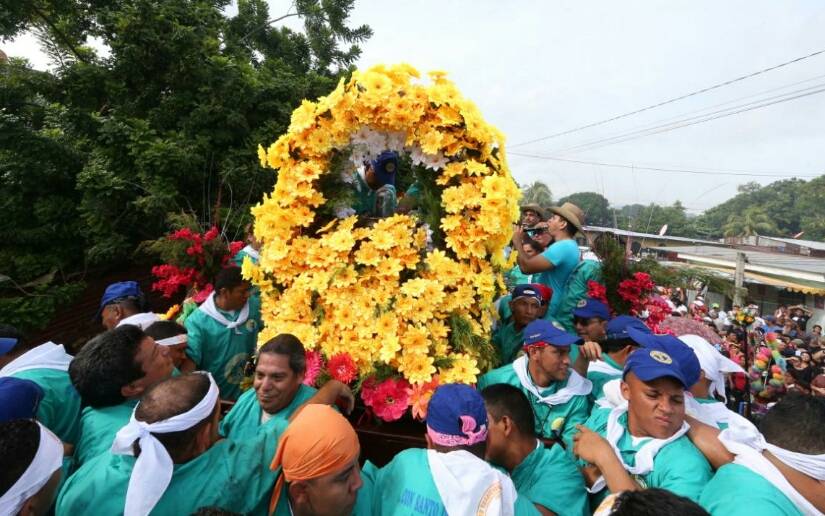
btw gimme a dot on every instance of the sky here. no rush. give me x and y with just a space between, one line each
539 68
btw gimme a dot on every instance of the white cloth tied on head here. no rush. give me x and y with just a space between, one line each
173 340
44 356
153 468
47 460
209 308
743 439
142 320
600 366
713 363
468 485
576 385
253 253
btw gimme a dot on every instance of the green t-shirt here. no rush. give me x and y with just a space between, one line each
550 478
508 341
98 428
59 410
404 487
244 420
678 467
222 351
599 378
737 491
232 475
565 416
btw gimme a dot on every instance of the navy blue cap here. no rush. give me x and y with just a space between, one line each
660 356
120 290
543 331
617 328
526 290
7 344
385 166
19 398
588 308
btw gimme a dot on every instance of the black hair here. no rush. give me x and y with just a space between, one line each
10 332
537 247
287 345
19 440
653 502
795 424
165 329
570 228
214 511
611 345
169 398
106 364
505 400
228 278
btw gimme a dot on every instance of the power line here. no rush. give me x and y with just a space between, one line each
662 169
698 119
670 101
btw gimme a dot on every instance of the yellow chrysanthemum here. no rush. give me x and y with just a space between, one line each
417 368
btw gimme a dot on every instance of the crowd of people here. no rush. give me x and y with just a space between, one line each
590 412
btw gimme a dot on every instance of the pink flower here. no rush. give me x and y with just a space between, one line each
389 399
313 367
342 368
201 295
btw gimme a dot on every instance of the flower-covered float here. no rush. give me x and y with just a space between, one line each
397 305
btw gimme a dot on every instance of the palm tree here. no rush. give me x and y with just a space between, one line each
537 193
751 222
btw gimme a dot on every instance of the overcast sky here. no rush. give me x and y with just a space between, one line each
540 68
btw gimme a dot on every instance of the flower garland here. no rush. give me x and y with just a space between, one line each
384 295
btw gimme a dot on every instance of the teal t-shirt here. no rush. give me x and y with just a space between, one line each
222 351
59 410
244 420
232 475
563 418
721 425
564 256
737 491
404 487
678 467
516 277
550 478
98 427
599 378
508 341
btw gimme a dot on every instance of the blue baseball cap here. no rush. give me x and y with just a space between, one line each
7 344
663 355
385 166
588 308
526 290
542 331
118 291
456 416
617 328
19 398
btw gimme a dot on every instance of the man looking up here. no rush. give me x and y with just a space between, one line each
643 444
557 394
531 214
557 261
47 366
223 330
277 390
547 477
31 458
525 306
110 373
124 303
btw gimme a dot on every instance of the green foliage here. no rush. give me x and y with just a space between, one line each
753 221
537 193
595 206
34 307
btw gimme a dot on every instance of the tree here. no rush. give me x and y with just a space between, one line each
750 222
595 206
537 193
812 208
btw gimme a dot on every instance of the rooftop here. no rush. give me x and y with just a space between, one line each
787 262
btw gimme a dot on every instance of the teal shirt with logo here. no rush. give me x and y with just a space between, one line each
678 467
737 491
244 420
222 351
558 421
549 477
404 487
59 410
98 427
508 341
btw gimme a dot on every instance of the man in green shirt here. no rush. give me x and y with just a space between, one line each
222 332
525 305
557 393
277 391
46 365
644 444
110 373
547 477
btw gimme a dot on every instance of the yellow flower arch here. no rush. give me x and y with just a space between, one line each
378 293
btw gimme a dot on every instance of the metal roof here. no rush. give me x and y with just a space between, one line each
649 236
788 263
811 244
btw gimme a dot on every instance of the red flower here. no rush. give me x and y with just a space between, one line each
201 295
596 290
182 234
342 368
314 363
389 399
211 234
235 247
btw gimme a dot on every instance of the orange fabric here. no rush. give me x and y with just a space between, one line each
319 441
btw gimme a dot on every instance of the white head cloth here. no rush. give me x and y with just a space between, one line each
209 308
47 460
141 320
173 340
713 363
468 485
153 468
44 356
253 253
576 385
743 440
612 395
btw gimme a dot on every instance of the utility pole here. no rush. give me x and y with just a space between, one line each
739 279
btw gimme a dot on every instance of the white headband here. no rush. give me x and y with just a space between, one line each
153 468
712 362
47 460
171 341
